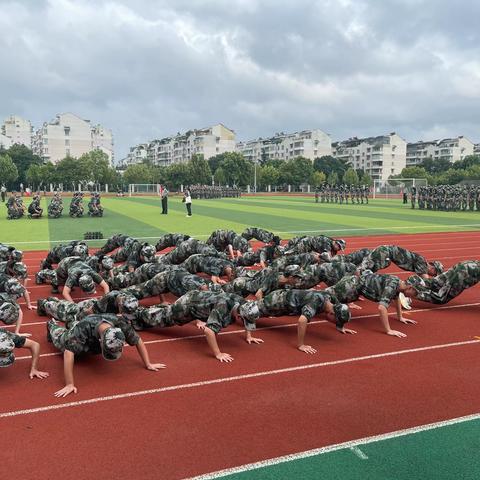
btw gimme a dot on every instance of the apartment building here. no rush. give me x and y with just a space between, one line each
70 135
5 142
18 130
136 154
209 141
285 146
451 149
380 156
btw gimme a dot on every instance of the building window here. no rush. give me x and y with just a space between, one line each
67 142
67 131
67 152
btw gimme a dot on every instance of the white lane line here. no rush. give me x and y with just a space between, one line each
359 453
215 381
351 444
402 227
272 327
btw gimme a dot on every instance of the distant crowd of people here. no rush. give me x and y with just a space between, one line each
342 193
449 198
213 191
16 208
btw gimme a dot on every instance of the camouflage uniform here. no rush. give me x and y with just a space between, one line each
155 286
187 248
70 270
305 244
355 257
14 269
206 264
135 256
221 239
382 256
114 242
109 303
6 299
301 259
55 207
264 254
170 240
62 310
260 234
12 338
286 302
381 288
448 285
83 336
139 275
331 273
61 251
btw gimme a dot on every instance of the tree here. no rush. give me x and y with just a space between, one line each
94 167
366 179
178 174
328 164
9 170
413 172
467 162
200 170
434 167
33 175
68 173
23 157
296 171
332 178
138 173
350 177
220 178
238 170
267 175
318 178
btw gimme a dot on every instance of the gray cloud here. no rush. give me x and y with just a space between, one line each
148 68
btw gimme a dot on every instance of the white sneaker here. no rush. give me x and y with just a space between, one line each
406 302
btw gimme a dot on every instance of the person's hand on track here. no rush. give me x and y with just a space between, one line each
34 373
307 349
154 367
224 357
396 333
67 390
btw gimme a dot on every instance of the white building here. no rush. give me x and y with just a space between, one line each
70 135
18 130
285 146
179 148
136 154
476 149
5 142
380 157
451 149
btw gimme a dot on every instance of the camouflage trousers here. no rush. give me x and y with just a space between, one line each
259 234
156 316
57 335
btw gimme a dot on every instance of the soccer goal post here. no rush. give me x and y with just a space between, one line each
395 187
143 189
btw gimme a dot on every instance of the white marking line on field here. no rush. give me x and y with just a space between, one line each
351 444
403 227
215 381
356 450
272 327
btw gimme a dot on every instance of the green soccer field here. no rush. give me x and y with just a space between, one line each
287 216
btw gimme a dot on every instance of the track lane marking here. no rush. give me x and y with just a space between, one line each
234 378
351 444
271 327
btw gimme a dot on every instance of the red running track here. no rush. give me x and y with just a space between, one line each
194 429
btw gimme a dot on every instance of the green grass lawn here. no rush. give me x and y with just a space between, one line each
288 216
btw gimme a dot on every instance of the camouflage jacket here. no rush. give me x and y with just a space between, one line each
206 264
285 302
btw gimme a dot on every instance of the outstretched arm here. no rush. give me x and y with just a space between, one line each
142 351
398 306
66 293
386 324
34 348
68 362
212 343
105 287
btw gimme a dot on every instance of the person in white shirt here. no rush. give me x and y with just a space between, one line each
187 199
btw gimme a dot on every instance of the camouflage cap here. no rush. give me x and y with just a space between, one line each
129 303
240 271
6 350
86 283
416 282
16 255
250 313
148 251
341 243
438 266
80 250
107 262
20 270
129 241
14 287
342 314
112 343
9 312
292 270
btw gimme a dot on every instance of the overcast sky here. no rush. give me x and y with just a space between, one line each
149 68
